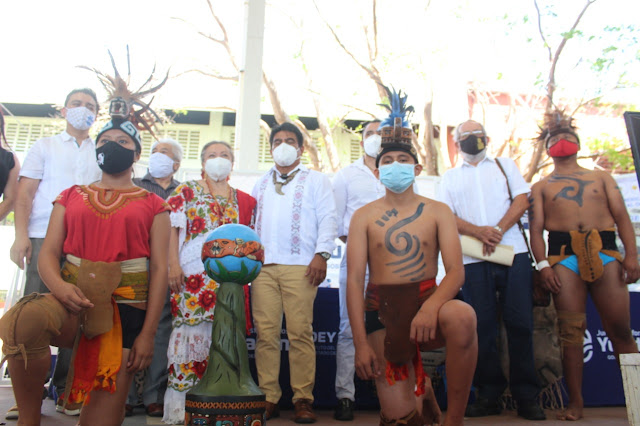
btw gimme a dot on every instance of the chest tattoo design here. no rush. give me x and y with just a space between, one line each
401 243
574 191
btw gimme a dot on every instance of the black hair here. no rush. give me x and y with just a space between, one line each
366 123
286 127
86 91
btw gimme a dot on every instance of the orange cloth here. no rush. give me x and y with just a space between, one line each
97 361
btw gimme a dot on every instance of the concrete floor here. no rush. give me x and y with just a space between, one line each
609 416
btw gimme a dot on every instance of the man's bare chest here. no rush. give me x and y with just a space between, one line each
574 191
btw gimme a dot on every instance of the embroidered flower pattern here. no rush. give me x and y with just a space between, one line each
194 283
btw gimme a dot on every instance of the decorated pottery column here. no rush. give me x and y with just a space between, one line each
227 395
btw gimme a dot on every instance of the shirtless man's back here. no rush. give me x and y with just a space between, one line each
581 209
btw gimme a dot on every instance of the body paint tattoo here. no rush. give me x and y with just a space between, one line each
531 200
571 192
406 246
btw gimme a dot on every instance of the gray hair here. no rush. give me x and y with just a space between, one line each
208 144
176 148
456 134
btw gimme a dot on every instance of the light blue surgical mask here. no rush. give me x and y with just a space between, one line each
397 177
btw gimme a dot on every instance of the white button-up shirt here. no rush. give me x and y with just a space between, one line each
354 186
58 162
479 195
295 226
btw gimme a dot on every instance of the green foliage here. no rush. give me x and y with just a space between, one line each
612 152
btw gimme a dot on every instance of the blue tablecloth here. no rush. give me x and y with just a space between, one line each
602 380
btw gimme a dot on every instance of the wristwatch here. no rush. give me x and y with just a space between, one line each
497 227
325 255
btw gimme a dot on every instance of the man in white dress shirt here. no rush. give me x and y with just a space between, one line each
478 195
354 186
296 221
52 165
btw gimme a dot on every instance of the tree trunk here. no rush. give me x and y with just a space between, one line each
428 142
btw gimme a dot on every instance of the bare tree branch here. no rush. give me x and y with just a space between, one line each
375 31
551 86
544 40
209 74
373 73
225 36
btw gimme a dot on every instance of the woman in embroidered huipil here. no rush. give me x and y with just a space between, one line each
113 237
197 208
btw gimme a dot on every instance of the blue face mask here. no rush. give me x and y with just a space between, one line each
397 177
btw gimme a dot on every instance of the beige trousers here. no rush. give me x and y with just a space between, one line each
278 289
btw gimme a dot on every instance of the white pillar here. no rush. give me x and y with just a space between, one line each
248 115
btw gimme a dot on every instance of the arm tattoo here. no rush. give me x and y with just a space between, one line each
574 190
531 200
406 246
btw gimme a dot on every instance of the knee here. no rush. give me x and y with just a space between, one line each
619 333
29 327
571 327
459 323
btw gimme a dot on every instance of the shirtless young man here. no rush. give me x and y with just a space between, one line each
399 237
581 209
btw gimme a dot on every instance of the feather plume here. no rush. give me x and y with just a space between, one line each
137 110
554 122
397 107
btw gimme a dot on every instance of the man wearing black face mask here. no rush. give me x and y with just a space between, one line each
478 195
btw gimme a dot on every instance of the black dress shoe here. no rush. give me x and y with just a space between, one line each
483 407
530 410
344 410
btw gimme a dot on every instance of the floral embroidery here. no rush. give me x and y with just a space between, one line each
207 299
197 225
192 303
176 203
194 283
187 193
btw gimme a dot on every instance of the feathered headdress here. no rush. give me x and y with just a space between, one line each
396 129
126 104
556 122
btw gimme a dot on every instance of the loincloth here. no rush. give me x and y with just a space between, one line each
587 247
98 355
393 307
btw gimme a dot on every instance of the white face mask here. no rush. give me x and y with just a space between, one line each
475 158
372 145
160 165
285 155
218 168
80 118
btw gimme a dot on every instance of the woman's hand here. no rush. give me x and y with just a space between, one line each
141 353
176 277
71 297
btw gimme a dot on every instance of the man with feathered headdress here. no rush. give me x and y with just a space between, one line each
399 237
582 209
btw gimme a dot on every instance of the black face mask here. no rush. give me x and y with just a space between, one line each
473 144
114 158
